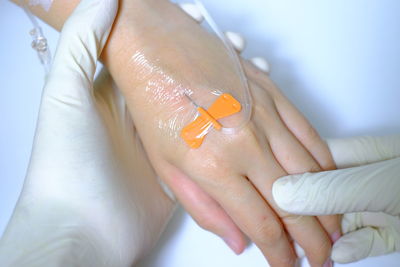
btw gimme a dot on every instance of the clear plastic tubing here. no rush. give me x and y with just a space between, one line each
246 102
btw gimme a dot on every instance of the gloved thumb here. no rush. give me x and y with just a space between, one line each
373 187
82 39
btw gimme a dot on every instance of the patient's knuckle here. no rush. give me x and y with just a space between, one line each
212 166
268 232
320 252
206 223
311 133
208 158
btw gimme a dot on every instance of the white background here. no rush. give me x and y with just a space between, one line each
338 61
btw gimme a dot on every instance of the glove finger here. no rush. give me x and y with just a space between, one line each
82 39
237 40
193 11
373 187
356 151
366 242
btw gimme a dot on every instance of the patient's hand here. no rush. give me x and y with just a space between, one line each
225 184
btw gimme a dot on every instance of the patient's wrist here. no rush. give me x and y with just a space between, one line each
138 23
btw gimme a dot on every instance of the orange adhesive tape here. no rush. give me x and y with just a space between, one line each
194 132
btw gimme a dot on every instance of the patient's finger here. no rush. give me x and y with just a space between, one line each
288 151
304 132
309 138
292 118
204 210
294 158
301 157
254 217
305 230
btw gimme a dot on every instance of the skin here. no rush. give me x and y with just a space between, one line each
226 183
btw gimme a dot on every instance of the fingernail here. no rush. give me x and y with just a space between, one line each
261 63
328 263
335 236
233 245
236 40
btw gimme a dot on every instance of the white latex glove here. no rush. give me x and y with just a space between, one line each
366 190
90 197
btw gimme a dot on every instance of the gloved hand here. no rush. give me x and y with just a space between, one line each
90 197
366 190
